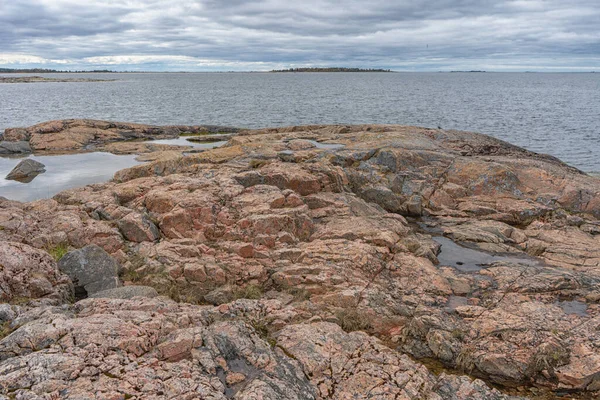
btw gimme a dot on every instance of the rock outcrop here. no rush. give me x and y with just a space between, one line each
438 245
29 274
157 349
77 135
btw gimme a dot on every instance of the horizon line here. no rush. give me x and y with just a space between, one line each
23 70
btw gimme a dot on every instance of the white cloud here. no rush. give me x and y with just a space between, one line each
161 34
7 58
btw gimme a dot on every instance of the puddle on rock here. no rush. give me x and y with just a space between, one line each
183 141
69 171
62 172
574 308
470 260
327 146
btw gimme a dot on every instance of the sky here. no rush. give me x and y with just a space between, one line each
237 35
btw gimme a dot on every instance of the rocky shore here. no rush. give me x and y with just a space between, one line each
86 135
314 262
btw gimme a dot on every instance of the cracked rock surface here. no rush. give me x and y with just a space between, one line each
373 261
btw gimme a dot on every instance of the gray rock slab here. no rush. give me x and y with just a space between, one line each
20 147
126 292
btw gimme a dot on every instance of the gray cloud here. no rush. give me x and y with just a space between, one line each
264 34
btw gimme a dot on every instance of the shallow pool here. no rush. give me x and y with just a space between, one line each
470 260
183 141
62 172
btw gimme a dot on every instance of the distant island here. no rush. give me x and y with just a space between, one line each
45 71
333 69
36 79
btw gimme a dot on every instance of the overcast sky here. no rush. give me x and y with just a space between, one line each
201 35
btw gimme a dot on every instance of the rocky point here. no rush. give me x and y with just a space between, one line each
313 262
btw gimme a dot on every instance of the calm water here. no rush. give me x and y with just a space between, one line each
550 113
470 260
62 172
74 170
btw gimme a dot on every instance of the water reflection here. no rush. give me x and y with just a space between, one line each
62 172
469 260
574 308
183 141
327 146
75 170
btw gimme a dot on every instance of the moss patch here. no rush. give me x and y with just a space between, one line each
353 319
5 330
253 292
58 251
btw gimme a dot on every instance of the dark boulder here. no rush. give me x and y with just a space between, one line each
26 170
91 269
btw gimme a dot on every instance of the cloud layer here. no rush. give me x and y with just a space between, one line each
191 35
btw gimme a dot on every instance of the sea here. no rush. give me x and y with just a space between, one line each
552 113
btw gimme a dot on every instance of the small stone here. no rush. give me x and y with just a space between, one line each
235 378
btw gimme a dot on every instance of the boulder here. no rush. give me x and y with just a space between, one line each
26 170
91 269
126 292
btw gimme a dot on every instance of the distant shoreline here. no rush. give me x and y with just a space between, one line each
49 71
334 69
36 79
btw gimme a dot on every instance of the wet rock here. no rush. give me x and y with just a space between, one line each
91 269
26 170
